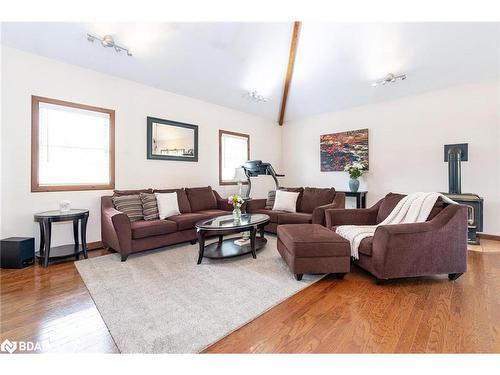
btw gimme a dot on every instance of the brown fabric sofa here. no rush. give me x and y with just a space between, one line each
126 237
311 206
437 246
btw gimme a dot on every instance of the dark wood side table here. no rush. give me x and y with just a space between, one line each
45 219
360 196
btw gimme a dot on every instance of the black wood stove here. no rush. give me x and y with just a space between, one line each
454 155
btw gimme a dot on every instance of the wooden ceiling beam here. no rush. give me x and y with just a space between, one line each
289 71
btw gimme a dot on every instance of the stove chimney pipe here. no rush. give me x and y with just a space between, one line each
455 170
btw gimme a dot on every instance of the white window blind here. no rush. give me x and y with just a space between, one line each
234 151
74 146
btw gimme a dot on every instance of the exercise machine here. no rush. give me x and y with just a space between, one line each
254 168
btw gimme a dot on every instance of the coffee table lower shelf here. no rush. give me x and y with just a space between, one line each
228 249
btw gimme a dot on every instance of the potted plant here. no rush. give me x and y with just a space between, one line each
236 201
355 171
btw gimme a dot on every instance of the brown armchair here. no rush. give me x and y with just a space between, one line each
437 246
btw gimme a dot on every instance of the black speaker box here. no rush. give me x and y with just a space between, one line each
17 252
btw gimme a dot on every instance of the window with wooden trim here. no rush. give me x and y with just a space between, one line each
72 146
234 150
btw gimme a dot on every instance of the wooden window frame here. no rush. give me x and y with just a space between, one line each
221 133
35 126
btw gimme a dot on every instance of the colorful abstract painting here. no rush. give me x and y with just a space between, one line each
341 149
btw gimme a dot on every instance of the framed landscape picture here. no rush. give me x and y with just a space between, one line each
340 149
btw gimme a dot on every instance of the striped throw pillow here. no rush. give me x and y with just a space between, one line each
130 205
271 196
149 206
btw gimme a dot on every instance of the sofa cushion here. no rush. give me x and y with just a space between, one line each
438 207
214 213
366 246
390 201
130 205
149 206
314 197
273 215
312 240
143 228
182 199
202 198
117 193
294 218
187 221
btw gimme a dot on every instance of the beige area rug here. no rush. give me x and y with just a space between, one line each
163 302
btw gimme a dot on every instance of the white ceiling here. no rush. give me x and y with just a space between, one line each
219 62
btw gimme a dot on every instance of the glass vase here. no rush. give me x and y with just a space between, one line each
236 214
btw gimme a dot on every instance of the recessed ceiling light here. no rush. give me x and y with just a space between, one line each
255 96
389 78
108 41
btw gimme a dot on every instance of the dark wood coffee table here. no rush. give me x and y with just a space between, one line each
225 225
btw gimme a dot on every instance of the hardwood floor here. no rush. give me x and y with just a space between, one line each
52 306
427 315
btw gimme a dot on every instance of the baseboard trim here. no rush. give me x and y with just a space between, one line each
487 236
95 245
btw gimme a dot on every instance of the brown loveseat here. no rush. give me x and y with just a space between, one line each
437 246
126 237
311 206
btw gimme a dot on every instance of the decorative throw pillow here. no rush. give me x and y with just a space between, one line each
182 198
130 205
167 204
149 206
271 196
285 201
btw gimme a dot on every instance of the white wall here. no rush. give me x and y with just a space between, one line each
406 139
1 134
25 74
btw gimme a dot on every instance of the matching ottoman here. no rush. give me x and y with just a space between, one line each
312 248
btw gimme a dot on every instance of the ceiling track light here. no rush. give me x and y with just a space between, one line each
389 78
108 41
255 96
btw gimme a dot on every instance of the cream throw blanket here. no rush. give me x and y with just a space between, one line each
414 208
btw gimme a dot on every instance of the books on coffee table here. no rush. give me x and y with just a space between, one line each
242 242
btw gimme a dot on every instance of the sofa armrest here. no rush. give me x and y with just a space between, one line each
116 230
222 203
318 214
361 216
438 246
255 204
